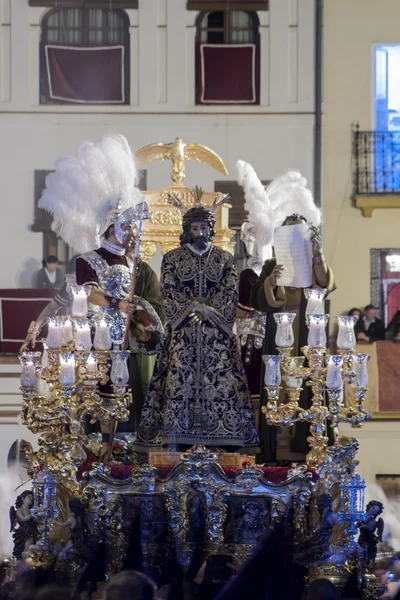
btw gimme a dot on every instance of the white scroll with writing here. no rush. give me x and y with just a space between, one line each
293 250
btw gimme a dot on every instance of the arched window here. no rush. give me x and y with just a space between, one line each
228 27
85 26
85 56
227 60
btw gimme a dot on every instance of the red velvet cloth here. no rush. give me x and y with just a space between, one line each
228 74
388 355
94 74
17 309
120 472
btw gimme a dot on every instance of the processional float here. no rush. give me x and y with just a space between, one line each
234 506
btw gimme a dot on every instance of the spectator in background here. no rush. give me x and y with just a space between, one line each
369 328
355 312
50 276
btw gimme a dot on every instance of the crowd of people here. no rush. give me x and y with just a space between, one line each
369 328
270 575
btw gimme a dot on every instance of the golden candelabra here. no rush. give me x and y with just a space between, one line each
62 389
324 374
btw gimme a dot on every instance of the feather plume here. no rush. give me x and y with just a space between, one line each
268 207
84 190
258 206
288 195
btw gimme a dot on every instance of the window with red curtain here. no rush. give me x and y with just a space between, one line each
228 58
84 57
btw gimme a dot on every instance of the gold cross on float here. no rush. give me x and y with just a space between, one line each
165 224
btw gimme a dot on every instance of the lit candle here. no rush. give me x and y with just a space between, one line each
346 339
360 362
284 337
315 299
91 364
28 361
119 370
67 369
102 337
54 335
272 376
79 302
83 339
334 380
317 330
66 332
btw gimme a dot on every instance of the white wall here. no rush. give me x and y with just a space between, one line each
350 31
10 413
379 448
273 136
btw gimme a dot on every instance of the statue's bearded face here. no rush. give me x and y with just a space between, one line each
200 234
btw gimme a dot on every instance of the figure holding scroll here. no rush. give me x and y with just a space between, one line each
294 261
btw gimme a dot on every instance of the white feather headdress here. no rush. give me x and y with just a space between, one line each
268 207
85 194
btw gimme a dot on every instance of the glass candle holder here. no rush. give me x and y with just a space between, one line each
119 370
315 301
360 363
334 378
67 335
54 336
102 337
346 339
29 361
317 330
284 337
83 338
67 369
272 376
80 301
292 381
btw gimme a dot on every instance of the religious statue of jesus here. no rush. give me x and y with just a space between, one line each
198 393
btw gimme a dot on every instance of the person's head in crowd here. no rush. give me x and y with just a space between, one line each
322 589
30 582
50 263
53 592
130 585
355 312
370 312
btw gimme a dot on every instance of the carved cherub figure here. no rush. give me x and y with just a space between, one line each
23 524
371 529
77 525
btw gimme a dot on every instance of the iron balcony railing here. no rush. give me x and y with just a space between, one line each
377 162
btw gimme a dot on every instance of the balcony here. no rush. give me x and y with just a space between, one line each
376 159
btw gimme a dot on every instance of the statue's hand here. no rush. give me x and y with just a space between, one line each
276 273
315 237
